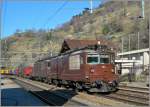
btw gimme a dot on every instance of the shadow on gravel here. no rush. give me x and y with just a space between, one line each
19 97
57 97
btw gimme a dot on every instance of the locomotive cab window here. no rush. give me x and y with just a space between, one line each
93 59
104 59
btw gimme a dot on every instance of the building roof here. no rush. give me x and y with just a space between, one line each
133 52
127 61
69 44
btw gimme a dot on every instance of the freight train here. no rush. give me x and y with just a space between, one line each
7 71
24 71
82 64
88 68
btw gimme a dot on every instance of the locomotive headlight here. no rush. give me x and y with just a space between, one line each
86 77
92 70
110 82
98 42
111 49
103 66
112 70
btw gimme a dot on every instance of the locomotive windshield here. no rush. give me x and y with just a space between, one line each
98 59
93 59
104 59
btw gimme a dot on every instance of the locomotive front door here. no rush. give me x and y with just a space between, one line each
92 61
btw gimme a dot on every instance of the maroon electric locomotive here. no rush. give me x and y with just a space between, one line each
90 67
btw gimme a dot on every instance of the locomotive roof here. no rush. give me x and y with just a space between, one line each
91 47
70 44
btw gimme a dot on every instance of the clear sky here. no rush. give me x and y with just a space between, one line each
36 14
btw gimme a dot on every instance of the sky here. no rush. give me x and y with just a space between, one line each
38 14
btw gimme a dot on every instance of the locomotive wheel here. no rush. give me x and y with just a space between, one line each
88 92
78 87
59 83
66 86
45 81
55 82
49 81
42 80
39 79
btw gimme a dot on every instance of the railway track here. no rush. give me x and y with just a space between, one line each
50 98
131 95
133 88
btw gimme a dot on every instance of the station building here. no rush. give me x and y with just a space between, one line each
135 61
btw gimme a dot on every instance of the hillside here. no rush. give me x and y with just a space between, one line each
112 20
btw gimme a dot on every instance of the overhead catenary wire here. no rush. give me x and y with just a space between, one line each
55 13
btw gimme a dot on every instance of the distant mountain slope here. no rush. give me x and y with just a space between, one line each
112 20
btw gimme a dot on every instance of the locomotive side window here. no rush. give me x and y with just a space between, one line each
104 59
48 65
42 65
74 62
93 59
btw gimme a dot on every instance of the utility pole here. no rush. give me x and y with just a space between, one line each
50 41
122 46
39 47
138 40
149 49
129 47
138 36
143 14
91 6
1 12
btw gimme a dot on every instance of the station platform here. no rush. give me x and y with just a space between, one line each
13 95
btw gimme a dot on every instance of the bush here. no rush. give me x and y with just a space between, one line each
105 29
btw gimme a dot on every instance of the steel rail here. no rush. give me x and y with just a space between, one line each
136 88
127 99
134 94
128 95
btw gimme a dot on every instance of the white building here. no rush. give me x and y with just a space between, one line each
134 61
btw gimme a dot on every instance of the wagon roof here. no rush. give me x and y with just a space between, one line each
70 44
